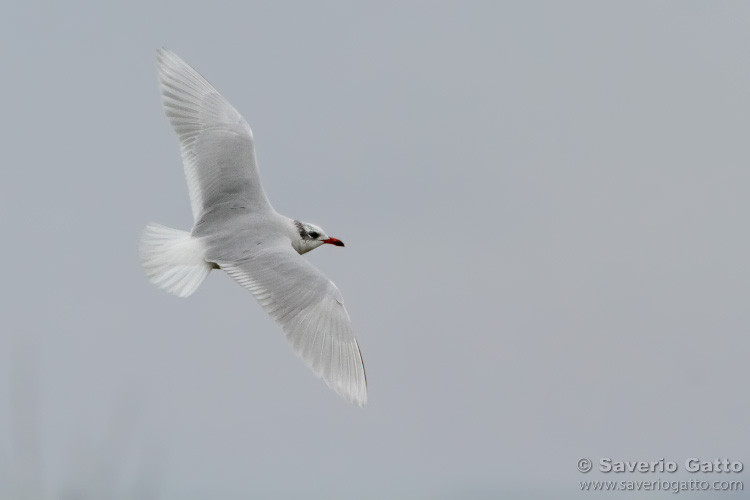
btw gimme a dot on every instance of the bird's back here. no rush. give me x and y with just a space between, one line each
233 232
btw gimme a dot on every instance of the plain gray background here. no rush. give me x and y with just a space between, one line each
545 211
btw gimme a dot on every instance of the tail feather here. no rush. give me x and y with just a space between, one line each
173 259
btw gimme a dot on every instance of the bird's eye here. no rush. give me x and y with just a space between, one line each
314 235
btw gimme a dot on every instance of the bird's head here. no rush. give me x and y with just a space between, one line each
311 237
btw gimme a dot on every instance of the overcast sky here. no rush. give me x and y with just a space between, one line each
545 207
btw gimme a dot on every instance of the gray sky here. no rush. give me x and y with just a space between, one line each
545 211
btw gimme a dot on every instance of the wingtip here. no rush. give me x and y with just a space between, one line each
163 55
166 58
355 395
358 398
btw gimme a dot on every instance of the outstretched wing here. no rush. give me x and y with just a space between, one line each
310 310
216 142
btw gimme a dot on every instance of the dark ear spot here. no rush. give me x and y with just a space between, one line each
314 235
301 229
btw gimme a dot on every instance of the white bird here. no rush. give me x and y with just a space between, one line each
236 229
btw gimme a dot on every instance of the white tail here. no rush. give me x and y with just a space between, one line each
173 259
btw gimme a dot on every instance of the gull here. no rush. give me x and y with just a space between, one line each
237 230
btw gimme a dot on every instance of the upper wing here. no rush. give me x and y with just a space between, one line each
216 142
310 310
